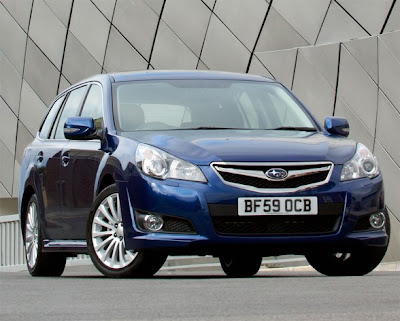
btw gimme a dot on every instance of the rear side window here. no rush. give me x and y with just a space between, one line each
71 108
48 123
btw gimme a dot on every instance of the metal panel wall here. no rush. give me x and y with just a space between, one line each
341 57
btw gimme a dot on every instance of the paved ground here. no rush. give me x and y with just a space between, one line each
271 295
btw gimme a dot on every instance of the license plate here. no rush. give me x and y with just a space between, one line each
277 206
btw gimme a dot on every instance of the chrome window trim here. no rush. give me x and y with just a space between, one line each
291 174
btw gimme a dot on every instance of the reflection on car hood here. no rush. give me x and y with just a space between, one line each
202 147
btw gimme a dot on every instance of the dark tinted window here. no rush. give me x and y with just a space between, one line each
93 106
71 108
48 123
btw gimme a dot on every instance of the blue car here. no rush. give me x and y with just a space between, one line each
133 167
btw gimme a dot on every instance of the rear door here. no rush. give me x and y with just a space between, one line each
53 183
48 157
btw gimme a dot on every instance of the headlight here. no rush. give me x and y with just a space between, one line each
362 164
159 164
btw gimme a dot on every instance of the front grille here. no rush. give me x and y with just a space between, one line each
227 222
252 176
262 183
276 225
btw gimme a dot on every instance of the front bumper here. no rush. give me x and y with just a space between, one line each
192 201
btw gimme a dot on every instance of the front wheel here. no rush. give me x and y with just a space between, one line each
240 265
353 263
360 261
106 242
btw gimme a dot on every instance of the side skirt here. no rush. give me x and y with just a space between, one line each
65 246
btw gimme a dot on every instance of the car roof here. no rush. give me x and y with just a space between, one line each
168 75
184 74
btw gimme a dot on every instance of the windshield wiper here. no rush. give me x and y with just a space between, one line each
209 127
304 129
307 129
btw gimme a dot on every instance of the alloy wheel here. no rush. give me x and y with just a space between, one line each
31 235
108 234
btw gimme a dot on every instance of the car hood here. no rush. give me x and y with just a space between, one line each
202 147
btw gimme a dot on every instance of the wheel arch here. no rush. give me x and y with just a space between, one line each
28 192
106 181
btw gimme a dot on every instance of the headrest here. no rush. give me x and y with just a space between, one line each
131 116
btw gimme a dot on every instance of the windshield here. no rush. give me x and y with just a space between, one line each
206 104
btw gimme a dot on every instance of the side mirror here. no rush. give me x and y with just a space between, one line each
80 128
337 126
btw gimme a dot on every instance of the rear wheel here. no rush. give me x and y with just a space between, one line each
39 263
240 265
106 242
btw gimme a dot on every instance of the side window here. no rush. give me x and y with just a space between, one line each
71 108
93 106
48 122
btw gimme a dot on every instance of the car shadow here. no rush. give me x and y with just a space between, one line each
203 276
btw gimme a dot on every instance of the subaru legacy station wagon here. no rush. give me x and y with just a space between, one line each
132 167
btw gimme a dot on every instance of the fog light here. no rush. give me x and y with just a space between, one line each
153 222
377 220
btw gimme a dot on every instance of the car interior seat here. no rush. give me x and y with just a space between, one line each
131 116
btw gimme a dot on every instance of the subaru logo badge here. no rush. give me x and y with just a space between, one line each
276 174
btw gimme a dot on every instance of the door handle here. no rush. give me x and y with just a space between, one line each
65 159
39 158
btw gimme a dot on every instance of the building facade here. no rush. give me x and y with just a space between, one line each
341 57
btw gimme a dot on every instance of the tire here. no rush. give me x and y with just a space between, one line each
38 262
237 266
359 262
106 244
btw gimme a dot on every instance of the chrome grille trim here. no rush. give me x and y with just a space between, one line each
261 174
223 167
